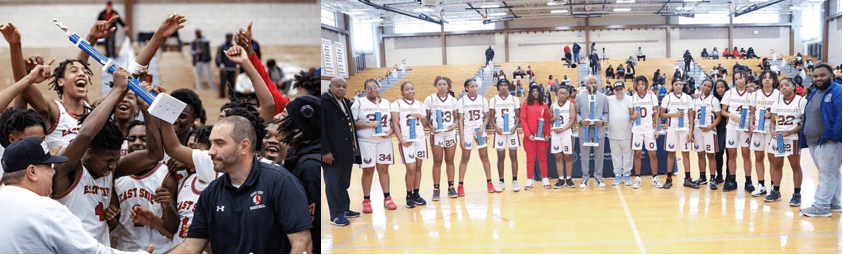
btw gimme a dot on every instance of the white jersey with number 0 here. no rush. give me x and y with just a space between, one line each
647 103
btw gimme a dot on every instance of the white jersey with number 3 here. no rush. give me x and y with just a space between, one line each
134 191
563 111
472 110
87 198
448 107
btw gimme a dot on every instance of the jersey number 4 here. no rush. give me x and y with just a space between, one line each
100 212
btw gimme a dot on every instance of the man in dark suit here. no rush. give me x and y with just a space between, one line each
339 150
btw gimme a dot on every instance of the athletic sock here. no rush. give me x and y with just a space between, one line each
460 183
436 186
748 179
687 175
501 179
386 194
776 188
365 197
797 190
515 179
669 175
409 194
761 182
416 192
451 184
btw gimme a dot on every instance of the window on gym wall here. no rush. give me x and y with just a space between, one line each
409 27
363 36
328 18
723 18
811 18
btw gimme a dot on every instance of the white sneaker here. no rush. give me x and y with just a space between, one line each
584 183
546 183
656 182
500 187
515 186
529 184
600 182
759 191
637 183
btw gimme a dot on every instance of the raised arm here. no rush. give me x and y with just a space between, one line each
267 104
38 75
173 23
101 29
143 159
12 35
244 39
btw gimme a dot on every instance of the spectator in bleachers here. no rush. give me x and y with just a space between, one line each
518 72
566 49
640 55
577 49
610 72
714 53
568 58
722 70
797 79
727 53
798 60
736 54
550 81
200 48
228 69
656 76
490 54
531 76
276 74
810 65
750 53
688 58
704 54
630 72
714 73
595 63
519 89
565 80
676 74
632 61
743 53
620 71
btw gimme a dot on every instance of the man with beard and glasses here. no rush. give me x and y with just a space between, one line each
821 135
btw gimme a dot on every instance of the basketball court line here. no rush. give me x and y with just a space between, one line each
513 245
631 223
355 235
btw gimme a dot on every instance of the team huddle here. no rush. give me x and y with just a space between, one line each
766 122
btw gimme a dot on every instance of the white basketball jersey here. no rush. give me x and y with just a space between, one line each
472 110
134 191
189 193
711 104
563 111
765 101
404 109
65 128
673 103
448 107
789 114
504 105
364 111
736 101
88 198
647 103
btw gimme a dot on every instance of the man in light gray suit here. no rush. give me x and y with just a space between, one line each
601 114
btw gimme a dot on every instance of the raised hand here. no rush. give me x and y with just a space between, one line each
170 25
102 29
237 55
244 39
121 77
33 61
41 72
10 32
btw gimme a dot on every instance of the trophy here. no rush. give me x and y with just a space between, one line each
506 123
163 106
659 125
589 128
440 127
558 123
682 126
411 120
538 135
638 119
481 143
761 121
702 116
780 151
744 112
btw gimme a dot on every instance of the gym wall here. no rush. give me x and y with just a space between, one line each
834 41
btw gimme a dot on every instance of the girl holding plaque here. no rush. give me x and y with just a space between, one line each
705 135
561 140
372 120
408 123
473 117
535 124
441 110
761 136
787 121
678 108
732 105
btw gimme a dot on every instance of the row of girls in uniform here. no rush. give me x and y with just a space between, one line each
470 116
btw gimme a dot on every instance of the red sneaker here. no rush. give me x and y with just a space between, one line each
367 206
460 191
490 187
388 204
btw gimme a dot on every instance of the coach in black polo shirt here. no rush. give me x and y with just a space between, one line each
250 207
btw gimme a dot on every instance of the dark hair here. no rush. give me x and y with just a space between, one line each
133 124
501 81
827 67
235 104
253 116
468 82
371 80
442 78
742 73
725 85
17 120
310 81
405 83
566 88
295 138
190 98
773 75
58 73
202 135
109 138
270 63
530 99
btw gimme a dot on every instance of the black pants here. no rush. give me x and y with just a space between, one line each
644 57
337 181
687 66
488 59
227 81
109 47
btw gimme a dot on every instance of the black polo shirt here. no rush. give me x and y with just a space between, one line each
254 218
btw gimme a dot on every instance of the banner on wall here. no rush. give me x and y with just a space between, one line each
342 71
327 58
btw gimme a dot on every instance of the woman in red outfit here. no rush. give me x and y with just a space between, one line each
531 110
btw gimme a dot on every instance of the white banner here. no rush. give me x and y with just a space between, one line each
342 71
327 58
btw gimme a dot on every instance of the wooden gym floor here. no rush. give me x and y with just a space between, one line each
592 220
